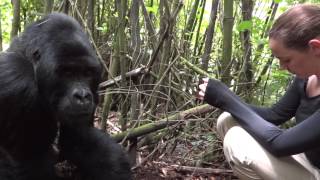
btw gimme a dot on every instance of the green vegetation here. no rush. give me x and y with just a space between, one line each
171 44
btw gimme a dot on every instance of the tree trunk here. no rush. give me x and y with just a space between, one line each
107 101
227 42
90 17
187 34
135 98
49 6
209 35
246 73
196 48
267 26
135 30
16 19
121 56
81 7
149 25
100 16
66 6
1 49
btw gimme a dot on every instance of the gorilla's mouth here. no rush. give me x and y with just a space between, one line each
78 113
75 118
67 108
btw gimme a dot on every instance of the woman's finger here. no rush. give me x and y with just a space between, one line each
203 87
201 93
205 80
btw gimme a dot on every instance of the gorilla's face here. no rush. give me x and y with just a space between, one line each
68 73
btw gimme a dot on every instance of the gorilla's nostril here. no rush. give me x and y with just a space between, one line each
82 97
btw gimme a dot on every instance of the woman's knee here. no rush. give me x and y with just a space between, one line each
236 146
224 122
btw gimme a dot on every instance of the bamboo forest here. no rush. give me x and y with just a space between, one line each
154 55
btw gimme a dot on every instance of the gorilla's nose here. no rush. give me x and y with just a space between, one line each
82 97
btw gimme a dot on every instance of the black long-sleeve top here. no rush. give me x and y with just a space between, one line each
262 123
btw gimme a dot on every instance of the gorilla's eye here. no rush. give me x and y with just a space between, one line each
88 72
66 71
36 55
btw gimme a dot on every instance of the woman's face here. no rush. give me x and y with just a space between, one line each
302 63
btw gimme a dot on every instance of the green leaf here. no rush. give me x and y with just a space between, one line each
277 1
152 9
244 25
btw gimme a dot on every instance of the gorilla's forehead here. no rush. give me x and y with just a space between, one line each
78 61
73 48
66 44
73 53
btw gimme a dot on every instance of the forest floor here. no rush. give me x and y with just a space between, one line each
186 151
173 167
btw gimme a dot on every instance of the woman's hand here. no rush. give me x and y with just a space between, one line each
216 93
202 89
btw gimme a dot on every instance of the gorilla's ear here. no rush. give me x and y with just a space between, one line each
35 55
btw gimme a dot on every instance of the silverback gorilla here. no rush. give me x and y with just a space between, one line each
49 76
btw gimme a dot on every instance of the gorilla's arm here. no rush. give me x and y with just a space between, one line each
95 154
9 169
279 142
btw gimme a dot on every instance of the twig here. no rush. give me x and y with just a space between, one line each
199 170
161 124
145 159
130 74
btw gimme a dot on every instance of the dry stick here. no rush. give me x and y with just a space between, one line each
163 123
130 74
145 159
199 170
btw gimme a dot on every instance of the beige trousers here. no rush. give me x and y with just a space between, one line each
249 160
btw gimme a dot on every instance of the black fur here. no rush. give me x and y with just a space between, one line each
50 75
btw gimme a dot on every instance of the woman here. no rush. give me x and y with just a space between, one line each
253 144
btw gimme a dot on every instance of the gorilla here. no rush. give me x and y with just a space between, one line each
49 78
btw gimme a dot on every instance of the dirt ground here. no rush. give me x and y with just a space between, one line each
161 171
196 157
188 151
